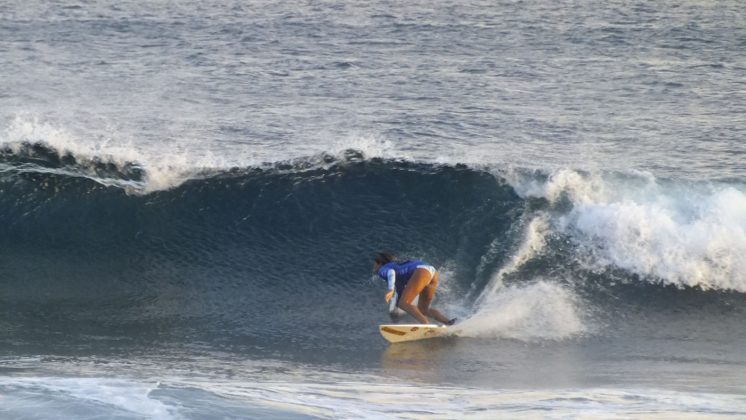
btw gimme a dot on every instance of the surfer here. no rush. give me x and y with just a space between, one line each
409 279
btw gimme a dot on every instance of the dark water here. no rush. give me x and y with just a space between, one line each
274 263
191 193
210 260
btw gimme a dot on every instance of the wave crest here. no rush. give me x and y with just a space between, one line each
675 233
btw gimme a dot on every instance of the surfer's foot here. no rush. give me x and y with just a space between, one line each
450 322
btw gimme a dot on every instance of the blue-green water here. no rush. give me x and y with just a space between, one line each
190 195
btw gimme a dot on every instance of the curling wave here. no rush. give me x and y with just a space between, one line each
524 255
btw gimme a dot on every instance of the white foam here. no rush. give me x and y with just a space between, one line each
537 311
370 145
233 386
679 234
330 394
163 171
541 310
175 158
77 395
308 392
168 164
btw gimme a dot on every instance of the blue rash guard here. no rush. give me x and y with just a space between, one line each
397 274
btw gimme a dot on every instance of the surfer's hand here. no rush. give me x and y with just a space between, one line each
389 295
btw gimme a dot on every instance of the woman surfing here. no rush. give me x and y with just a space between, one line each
409 279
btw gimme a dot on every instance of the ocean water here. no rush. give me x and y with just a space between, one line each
191 193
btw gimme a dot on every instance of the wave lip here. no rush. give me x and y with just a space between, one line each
654 239
31 144
674 233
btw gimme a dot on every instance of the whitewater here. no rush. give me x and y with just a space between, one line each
191 194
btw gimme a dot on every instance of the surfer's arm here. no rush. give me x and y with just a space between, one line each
391 279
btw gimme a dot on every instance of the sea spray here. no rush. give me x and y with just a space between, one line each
533 243
541 310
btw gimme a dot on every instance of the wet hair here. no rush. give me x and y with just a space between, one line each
383 258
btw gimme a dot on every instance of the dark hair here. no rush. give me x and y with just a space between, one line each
384 258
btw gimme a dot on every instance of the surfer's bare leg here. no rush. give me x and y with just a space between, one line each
416 284
426 297
412 310
423 284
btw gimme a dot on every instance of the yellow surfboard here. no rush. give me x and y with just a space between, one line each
396 333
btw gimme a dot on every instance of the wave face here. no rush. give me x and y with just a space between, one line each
254 255
279 256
